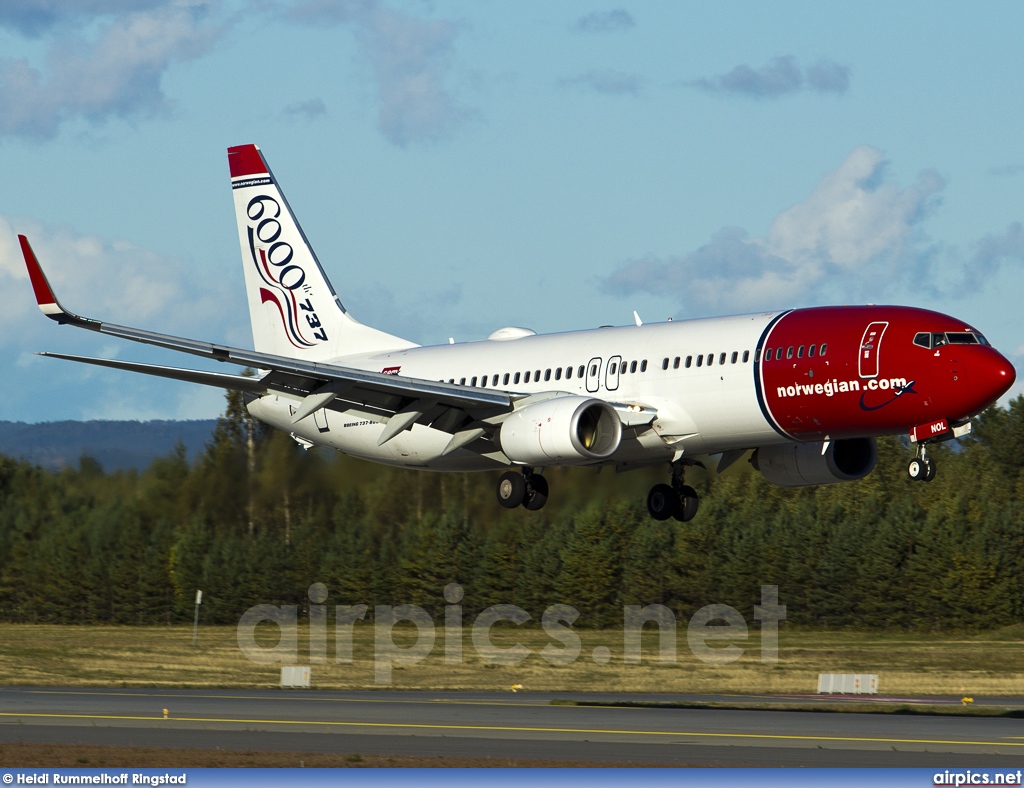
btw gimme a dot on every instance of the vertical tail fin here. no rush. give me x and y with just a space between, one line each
294 310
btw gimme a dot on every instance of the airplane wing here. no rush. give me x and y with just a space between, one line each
444 406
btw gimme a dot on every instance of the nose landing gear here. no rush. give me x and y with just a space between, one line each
527 489
921 469
676 500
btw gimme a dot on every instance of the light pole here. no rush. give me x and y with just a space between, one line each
195 623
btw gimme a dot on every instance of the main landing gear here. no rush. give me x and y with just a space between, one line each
528 489
921 469
675 500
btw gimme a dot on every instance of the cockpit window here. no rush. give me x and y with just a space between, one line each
981 339
938 340
961 338
924 339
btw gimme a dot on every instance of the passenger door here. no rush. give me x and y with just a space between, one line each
870 345
611 375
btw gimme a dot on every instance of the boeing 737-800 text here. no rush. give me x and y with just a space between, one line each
808 390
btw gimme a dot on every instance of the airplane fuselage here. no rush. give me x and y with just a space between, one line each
716 384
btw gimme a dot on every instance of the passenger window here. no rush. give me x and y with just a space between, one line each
526 378
568 373
675 363
536 376
462 381
721 359
504 380
923 339
810 351
579 372
711 359
664 364
593 369
632 366
547 375
735 357
746 356
473 382
494 382
800 352
789 352
700 361
643 365
451 380
689 360
612 370
824 347
558 374
517 379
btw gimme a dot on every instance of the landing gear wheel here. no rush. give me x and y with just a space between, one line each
511 489
536 492
686 509
917 469
662 502
929 474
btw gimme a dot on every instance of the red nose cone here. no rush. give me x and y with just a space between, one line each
996 375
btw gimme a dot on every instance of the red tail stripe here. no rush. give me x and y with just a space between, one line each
246 160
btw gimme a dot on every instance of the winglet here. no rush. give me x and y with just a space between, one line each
48 303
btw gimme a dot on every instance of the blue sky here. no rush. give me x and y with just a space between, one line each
463 166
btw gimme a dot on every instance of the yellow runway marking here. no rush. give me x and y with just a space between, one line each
518 729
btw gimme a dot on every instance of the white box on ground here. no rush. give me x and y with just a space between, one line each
847 683
295 676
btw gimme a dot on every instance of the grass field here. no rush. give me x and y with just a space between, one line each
986 664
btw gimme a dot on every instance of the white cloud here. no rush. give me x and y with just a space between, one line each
781 76
116 74
411 59
117 281
110 280
856 233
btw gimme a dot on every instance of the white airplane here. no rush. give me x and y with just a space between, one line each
808 389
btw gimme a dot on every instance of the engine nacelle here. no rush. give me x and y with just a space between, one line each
803 464
564 430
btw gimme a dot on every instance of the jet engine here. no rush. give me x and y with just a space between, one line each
563 430
803 464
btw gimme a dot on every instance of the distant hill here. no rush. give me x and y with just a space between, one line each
116 445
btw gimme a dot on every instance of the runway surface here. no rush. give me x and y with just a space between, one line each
502 725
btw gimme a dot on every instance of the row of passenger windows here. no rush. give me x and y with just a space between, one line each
614 368
527 376
812 350
709 359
